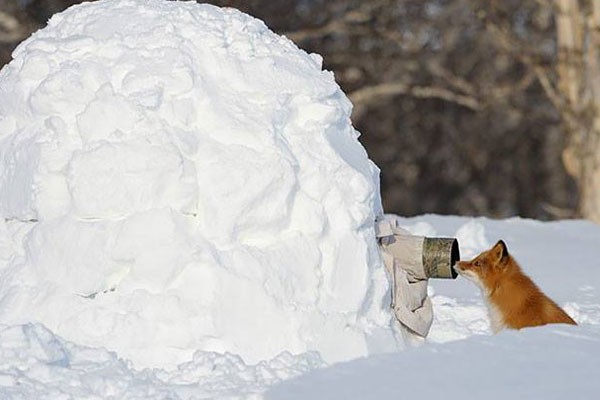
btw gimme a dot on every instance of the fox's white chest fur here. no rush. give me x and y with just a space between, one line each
495 315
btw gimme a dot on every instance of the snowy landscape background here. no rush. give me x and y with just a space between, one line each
188 213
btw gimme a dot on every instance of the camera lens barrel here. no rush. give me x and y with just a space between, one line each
439 256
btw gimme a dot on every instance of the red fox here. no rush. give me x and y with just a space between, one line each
513 300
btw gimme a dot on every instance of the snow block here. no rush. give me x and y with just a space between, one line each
193 182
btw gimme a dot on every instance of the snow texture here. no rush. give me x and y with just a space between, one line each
460 359
192 182
186 213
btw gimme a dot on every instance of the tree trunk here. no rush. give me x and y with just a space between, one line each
578 69
590 192
589 182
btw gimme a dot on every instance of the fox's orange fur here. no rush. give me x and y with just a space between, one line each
513 300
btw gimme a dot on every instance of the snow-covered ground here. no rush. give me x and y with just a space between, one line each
187 213
460 359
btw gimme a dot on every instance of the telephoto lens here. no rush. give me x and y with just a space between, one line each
439 257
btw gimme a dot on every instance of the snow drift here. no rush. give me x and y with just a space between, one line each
176 177
460 360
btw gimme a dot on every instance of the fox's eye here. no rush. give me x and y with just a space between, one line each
477 263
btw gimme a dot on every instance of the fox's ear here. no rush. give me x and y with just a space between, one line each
500 250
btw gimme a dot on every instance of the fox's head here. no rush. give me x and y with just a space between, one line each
484 269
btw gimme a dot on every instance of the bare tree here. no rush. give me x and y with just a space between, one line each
456 119
571 82
457 100
578 96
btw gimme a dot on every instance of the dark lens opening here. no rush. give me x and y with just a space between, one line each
454 258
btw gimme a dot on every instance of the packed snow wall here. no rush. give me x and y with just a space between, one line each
176 177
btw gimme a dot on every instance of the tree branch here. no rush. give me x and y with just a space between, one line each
11 30
362 97
337 25
514 46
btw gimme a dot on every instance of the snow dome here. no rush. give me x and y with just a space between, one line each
176 177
